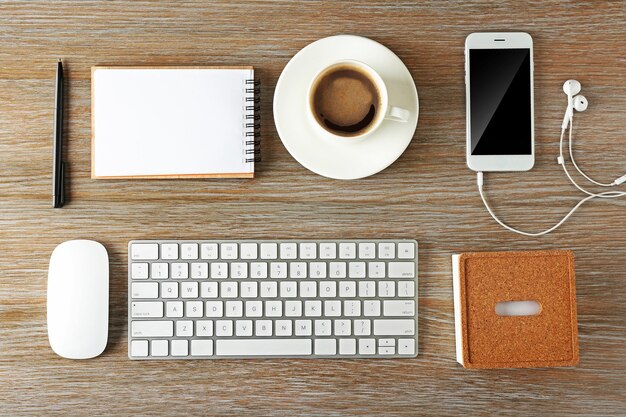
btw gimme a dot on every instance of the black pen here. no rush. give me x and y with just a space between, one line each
58 168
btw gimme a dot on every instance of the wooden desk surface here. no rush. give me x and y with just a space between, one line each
428 194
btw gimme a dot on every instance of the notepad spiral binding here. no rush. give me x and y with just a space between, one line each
253 120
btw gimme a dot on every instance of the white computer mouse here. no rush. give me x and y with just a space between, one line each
78 299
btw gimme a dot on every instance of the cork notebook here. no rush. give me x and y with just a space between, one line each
174 122
515 309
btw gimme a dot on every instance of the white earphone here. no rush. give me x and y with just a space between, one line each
579 103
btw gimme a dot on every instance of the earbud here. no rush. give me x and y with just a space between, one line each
571 88
579 102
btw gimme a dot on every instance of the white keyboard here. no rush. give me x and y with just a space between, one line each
289 298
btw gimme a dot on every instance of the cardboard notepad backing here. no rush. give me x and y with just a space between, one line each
487 339
174 122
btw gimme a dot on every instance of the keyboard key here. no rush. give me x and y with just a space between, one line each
204 328
269 251
254 308
219 270
208 251
371 308
376 269
249 289
406 289
278 270
144 290
169 290
347 250
174 309
249 251
394 327
214 308
180 348
258 270
325 347
180 270
317 269
159 348
308 250
313 308
144 251
243 328
159 270
308 289
342 327
201 347
356 269
406 250
269 289
288 289
263 347
367 289
367 346
297 270
328 289
288 250
304 327
152 328
362 327
399 308
387 250
189 251
347 289
352 308
224 328
262 328
283 328
234 308
386 342
328 250
293 308
139 348
228 250
388 350
184 328
337 270
208 289
322 327
189 290
386 289
332 308
169 251
401 270
147 309
194 309
273 308
406 346
228 289
367 250
239 270
139 270
199 270
347 346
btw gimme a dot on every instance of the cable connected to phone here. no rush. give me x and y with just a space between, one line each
561 161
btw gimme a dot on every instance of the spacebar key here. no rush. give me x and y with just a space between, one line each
263 347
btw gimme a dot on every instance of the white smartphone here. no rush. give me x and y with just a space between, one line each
499 101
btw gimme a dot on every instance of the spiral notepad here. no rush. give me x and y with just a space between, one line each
174 122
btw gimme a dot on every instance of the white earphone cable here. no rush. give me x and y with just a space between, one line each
606 194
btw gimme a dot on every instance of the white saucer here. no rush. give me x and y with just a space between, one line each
342 159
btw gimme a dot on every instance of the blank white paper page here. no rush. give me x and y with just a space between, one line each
169 122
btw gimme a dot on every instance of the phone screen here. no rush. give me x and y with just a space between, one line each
500 101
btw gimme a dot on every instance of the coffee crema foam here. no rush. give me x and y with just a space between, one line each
345 100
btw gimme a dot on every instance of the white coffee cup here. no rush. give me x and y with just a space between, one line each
385 111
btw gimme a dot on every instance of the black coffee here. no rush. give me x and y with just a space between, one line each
345 100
